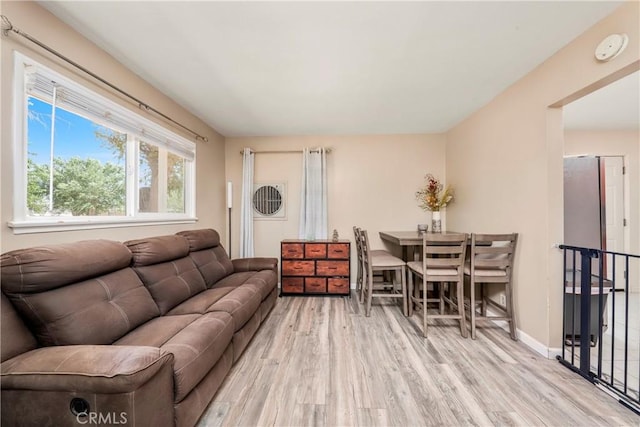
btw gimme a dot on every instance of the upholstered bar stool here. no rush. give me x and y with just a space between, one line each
492 257
442 263
382 262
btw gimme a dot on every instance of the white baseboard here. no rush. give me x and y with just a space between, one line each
537 346
528 340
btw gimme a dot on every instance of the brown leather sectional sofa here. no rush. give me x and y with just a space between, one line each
140 334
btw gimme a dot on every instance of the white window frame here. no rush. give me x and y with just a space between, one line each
24 223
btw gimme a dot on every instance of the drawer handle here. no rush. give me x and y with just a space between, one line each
297 268
333 268
338 251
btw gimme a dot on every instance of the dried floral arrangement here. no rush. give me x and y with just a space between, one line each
434 196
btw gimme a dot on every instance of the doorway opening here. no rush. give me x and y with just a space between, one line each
601 215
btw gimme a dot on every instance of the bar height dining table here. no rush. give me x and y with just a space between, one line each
404 239
407 239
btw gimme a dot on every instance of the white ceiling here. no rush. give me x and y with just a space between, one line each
296 68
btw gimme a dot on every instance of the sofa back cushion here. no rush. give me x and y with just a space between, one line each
208 254
76 293
14 335
163 265
47 267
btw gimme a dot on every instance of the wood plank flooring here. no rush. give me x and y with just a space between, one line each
318 361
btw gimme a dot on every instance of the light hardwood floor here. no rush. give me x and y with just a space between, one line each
320 361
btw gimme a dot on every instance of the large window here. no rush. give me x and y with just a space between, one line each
83 161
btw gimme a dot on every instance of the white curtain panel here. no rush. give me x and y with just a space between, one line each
313 196
246 209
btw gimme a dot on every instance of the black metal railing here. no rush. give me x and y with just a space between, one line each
601 341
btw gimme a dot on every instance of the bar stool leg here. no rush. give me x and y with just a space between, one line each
510 311
463 318
416 291
404 290
368 296
472 307
364 283
410 292
424 309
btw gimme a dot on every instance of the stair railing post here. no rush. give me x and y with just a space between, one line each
585 310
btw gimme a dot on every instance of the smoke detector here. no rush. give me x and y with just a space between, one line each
611 46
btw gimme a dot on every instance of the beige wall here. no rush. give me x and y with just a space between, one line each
39 23
506 163
372 181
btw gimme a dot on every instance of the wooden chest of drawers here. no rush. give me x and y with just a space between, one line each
318 267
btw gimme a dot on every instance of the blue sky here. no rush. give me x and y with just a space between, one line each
74 135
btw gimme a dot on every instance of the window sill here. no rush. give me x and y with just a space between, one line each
70 224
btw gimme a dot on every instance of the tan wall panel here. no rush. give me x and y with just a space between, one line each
506 162
372 181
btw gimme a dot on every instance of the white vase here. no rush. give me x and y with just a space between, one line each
436 223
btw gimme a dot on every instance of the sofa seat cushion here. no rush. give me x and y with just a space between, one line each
157 331
234 280
200 303
196 342
241 303
263 281
93 368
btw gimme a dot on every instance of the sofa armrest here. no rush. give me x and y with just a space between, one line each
91 368
254 264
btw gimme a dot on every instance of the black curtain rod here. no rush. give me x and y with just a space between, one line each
7 26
